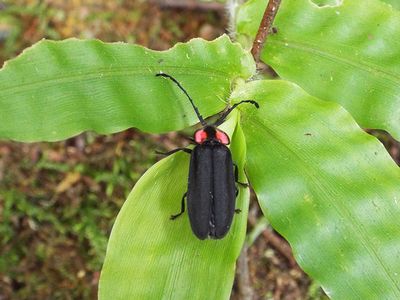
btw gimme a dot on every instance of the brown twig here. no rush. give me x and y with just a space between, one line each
265 27
244 287
280 245
189 5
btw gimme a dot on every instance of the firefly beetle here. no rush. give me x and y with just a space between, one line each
211 193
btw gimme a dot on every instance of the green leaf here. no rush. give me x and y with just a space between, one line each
152 257
248 19
328 187
322 3
55 90
348 53
394 3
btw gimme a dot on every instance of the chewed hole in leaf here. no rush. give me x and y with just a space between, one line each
330 3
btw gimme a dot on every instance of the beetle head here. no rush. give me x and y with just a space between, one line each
211 133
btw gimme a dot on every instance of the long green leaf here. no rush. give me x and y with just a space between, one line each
349 53
329 188
152 257
55 90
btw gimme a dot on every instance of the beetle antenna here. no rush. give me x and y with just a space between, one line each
187 95
227 112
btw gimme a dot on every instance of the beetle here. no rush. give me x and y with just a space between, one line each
211 193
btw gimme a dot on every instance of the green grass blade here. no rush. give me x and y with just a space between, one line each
328 187
151 257
55 90
349 53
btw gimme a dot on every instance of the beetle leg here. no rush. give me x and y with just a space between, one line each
173 217
187 150
237 210
237 177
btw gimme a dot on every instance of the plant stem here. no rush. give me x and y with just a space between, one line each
245 289
265 27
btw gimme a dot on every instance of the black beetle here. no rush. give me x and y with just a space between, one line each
212 191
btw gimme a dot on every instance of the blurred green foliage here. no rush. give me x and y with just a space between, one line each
57 210
15 18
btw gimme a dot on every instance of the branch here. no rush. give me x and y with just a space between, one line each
280 245
265 27
244 287
189 5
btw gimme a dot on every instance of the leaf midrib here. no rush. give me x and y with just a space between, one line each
109 73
